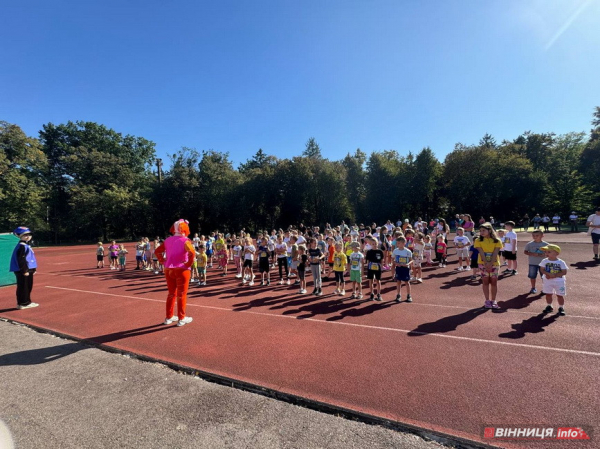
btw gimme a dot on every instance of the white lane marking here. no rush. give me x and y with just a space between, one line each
364 326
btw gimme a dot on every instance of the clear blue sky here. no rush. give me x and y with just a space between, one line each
236 76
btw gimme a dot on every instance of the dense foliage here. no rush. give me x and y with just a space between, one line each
82 181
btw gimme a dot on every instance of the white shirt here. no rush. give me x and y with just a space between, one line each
595 220
461 241
508 245
279 247
556 219
250 255
553 266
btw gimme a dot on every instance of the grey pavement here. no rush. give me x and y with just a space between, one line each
56 393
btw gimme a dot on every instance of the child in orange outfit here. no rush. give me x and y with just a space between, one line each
180 255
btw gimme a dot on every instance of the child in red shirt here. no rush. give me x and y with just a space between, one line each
441 250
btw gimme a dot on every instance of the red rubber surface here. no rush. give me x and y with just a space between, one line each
442 362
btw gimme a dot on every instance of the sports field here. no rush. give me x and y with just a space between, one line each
442 362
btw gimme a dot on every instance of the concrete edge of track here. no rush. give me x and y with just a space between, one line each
427 434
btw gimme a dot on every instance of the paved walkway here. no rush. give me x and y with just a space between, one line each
60 394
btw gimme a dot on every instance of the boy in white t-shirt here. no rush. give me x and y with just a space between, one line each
462 243
248 273
510 248
554 271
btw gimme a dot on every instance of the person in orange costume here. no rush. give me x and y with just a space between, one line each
180 256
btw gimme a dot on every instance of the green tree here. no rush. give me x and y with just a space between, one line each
21 188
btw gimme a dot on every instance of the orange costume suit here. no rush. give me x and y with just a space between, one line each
180 256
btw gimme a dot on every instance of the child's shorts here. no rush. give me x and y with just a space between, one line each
263 265
301 274
493 273
99 258
402 274
339 276
474 264
202 270
374 274
122 260
355 276
555 285
534 270
247 263
223 261
417 262
463 253
294 265
509 255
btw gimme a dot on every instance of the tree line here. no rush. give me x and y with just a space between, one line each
81 181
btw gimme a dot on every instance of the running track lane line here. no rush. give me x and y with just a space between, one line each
364 326
414 304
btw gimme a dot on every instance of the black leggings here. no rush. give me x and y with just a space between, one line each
283 262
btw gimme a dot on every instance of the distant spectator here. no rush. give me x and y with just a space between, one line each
573 218
546 222
526 222
536 221
556 222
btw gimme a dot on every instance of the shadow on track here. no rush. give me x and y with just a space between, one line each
448 323
585 265
533 325
44 355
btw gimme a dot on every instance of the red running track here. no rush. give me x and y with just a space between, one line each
441 363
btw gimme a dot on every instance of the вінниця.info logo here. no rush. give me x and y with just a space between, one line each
536 433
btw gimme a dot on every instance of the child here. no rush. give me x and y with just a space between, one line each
427 249
473 255
534 250
202 260
114 255
440 250
263 262
222 255
330 253
302 260
100 256
249 251
155 264
282 259
195 275
122 257
510 248
139 255
209 251
502 237
356 261
315 255
554 271
418 257
294 253
402 261
24 265
339 268
461 243
147 254
237 257
374 260
271 246
488 247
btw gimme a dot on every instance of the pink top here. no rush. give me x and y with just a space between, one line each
179 251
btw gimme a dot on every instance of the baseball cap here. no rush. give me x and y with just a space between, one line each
551 248
21 230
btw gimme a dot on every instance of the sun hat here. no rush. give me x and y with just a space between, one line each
551 248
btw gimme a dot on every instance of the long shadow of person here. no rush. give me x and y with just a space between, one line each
49 354
585 265
448 323
518 302
533 325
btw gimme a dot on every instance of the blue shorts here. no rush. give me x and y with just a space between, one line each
595 238
402 274
138 258
534 270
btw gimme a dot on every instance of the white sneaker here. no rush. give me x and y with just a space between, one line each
31 305
238 276
459 269
244 281
280 282
251 283
420 281
302 292
343 293
186 320
468 269
287 282
170 320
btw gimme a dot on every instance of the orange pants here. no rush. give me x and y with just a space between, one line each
178 280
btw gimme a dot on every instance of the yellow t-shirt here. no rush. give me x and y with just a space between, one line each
202 260
339 261
487 246
347 248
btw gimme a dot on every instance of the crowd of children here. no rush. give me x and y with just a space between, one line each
403 250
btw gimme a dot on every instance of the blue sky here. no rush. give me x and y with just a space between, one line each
236 76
